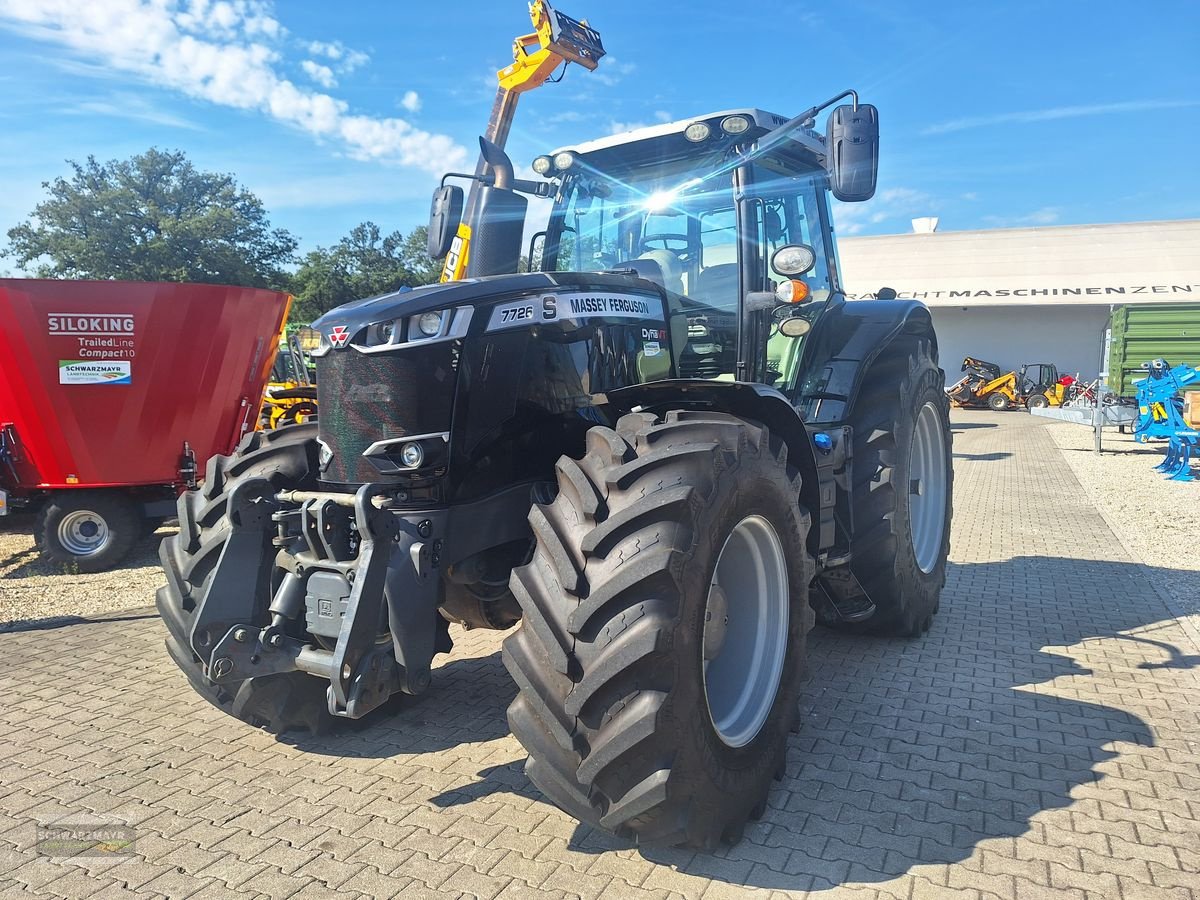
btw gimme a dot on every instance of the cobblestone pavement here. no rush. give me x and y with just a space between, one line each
1041 741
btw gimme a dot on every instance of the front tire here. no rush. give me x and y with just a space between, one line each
998 402
87 531
1037 401
621 611
903 488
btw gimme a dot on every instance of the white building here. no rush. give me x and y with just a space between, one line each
1026 295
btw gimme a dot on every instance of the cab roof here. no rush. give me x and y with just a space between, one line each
660 143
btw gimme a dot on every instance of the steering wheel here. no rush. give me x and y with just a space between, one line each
666 239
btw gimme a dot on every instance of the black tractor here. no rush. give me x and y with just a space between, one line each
657 457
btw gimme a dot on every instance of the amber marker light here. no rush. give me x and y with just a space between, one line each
792 291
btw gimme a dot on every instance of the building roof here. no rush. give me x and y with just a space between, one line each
1131 262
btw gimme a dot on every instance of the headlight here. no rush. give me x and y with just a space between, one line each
430 323
735 124
564 160
412 455
793 259
697 132
381 333
542 165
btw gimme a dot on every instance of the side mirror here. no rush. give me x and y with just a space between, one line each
852 142
444 215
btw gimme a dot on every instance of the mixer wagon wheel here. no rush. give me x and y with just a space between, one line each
87 531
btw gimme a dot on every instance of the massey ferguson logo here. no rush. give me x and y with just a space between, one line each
339 335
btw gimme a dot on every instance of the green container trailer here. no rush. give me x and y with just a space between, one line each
1138 334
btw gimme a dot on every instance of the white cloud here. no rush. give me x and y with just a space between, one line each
896 205
1047 215
322 75
567 115
132 108
411 101
1055 113
347 60
330 50
226 53
622 127
611 71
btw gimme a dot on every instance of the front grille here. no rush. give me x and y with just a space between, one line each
369 397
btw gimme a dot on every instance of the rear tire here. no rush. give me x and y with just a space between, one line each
613 706
903 577
1037 401
998 402
285 457
87 531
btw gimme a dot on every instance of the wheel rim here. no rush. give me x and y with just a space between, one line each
746 631
83 533
927 488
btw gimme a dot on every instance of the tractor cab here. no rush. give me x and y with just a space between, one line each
727 214
675 205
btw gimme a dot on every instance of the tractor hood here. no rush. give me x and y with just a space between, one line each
351 318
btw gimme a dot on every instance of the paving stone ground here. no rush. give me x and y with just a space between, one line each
1040 741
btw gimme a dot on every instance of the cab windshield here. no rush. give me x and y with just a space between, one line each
683 233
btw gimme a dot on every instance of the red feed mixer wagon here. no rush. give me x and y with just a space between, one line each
112 394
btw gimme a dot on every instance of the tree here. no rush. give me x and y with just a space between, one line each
424 267
153 217
364 263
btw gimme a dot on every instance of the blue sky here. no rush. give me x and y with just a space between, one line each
993 114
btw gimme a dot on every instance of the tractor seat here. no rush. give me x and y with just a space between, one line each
718 286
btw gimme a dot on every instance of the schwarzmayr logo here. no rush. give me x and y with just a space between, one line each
84 836
84 371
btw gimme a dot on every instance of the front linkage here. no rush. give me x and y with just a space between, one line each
337 569
348 589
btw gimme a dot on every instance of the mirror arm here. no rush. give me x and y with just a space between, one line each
487 180
773 137
537 188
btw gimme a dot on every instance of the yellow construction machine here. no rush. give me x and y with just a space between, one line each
556 40
1041 385
291 395
984 385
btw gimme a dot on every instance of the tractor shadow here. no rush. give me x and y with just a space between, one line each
913 752
983 457
465 704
